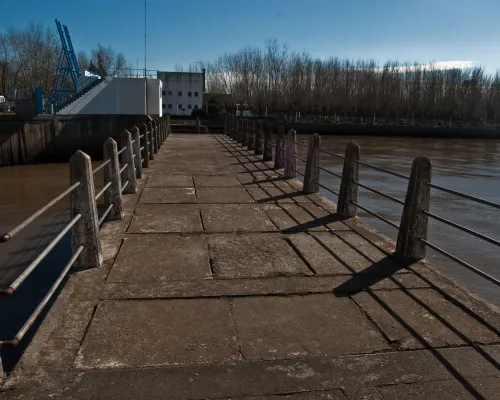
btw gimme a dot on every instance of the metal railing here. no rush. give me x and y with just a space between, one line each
131 152
413 227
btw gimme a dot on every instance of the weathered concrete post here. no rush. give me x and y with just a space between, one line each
112 196
156 141
244 135
251 136
145 153
311 176
206 130
279 156
225 126
413 226
151 141
128 162
290 152
82 202
258 140
137 152
198 125
168 125
268 148
348 189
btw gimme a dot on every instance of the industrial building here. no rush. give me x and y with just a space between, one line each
182 92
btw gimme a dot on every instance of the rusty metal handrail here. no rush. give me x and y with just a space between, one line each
5 237
300 144
461 262
383 170
300 173
330 153
123 168
105 214
379 192
328 171
27 325
122 150
124 186
376 215
101 166
21 278
106 187
465 195
327 188
300 158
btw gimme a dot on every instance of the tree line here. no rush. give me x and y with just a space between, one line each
29 58
288 82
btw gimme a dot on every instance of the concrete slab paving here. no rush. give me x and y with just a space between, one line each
219 181
165 218
162 195
236 218
252 256
303 326
217 195
277 195
168 180
158 258
125 334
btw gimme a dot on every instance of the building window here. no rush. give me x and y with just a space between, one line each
163 106
196 106
189 106
170 93
163 93
179 106
170 106
180 93
195 94
189 94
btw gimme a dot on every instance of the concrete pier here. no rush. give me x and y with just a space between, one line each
225 281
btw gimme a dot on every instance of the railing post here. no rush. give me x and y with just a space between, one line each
145 153
251 136
244 139
348 189
290 152
413 225
279 153
128 158
311 176
137 152
225 126
198 124
112 196
164 130
258 140
168 125
156 141
151 141
268 148
82 201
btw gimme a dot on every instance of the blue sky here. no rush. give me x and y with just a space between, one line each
185 31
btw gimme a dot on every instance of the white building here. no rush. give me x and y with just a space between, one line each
119 96
182 92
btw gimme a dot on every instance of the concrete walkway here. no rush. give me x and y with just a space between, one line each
224 281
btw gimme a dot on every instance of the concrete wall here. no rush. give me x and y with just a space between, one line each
184 82
125 96
55 139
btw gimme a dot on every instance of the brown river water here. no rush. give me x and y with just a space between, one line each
470 166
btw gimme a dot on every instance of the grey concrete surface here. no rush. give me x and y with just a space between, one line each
251 290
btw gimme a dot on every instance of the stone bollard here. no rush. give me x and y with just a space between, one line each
290 162
311 176
206 130
251 136
414 222
168 125
244 134
151 141
137 152
145 153
280 152
112 196
128 172
85 232
348 189
258 140
198 125
268 148
155 136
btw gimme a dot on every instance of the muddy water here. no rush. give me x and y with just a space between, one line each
471 166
